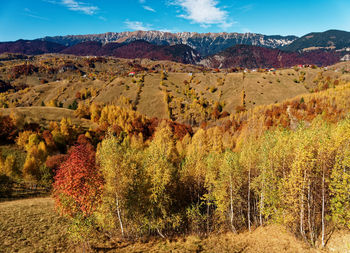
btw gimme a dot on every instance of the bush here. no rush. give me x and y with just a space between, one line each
78 183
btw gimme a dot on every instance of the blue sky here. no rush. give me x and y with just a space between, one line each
30 19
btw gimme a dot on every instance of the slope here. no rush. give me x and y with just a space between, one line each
328 40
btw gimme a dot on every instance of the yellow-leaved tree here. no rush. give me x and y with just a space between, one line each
160 170
227 188
123 175
340 176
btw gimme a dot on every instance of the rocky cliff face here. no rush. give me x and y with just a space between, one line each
205 43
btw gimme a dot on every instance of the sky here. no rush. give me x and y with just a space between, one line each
31 19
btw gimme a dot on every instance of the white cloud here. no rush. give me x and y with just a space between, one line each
142 1
246 8
30 13
148 8
76 6
137 25
204 12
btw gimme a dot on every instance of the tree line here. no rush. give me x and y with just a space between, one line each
168 186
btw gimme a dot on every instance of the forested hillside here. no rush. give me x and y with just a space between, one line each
131 176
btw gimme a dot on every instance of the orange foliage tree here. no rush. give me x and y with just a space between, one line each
78 183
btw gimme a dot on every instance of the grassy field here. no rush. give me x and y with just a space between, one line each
43 115
32 225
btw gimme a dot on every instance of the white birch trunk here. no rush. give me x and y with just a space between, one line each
323 206
249 200
119 217
231 206
302 207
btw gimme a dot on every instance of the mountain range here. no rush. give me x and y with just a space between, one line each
217 50
205 43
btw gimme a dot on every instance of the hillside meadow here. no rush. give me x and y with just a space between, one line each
40 229
173 158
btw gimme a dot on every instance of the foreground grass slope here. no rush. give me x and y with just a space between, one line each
32 225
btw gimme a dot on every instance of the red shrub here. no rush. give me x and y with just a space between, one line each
269 122
181 130
216 113
82 139
227 125
224 114
48 138
204 125
55 161
8 130
78 183
78 95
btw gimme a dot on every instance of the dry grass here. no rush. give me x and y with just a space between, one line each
32 225
268 239
43 115
152 102
339 242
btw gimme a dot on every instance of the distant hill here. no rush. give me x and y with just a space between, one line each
136 49
331 40
31 47
205 43
259 57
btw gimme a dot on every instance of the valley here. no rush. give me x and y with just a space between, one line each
152 141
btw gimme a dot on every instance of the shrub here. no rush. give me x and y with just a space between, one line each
54 162
78 183
212 89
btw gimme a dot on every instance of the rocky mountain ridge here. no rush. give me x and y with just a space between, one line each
205 43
